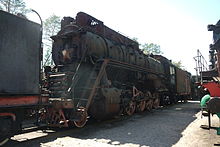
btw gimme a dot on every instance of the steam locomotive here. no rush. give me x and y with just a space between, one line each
98 73
103 73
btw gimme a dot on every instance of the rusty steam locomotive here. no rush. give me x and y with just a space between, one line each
98 73
103 73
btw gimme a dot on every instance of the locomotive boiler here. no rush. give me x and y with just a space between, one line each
100 72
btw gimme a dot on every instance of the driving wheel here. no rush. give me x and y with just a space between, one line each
130 108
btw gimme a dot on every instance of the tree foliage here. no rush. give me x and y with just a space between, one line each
134 39
178 64
151 48
51 27
14 6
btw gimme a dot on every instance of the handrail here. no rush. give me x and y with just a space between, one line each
201 66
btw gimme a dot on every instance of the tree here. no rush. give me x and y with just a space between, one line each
14 6
51 27
178 64
151 48
135 39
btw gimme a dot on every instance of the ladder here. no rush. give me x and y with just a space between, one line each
201 66
87 89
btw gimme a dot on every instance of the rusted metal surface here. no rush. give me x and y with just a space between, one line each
130 108
141 106
85 20
149 104
156 103
111 74
82 114
19 55
106 103
182 82
101 72
69 44
62 103
11 101
56 118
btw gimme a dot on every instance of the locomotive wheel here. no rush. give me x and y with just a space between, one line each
156 103
130 108
83 118
149 104
141 106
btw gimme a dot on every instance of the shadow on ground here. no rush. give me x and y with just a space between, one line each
160 128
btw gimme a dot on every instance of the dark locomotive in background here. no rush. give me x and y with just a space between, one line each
98 73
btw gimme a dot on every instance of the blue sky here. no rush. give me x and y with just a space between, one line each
178 26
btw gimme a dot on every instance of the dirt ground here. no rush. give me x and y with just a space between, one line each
194 136
176 126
